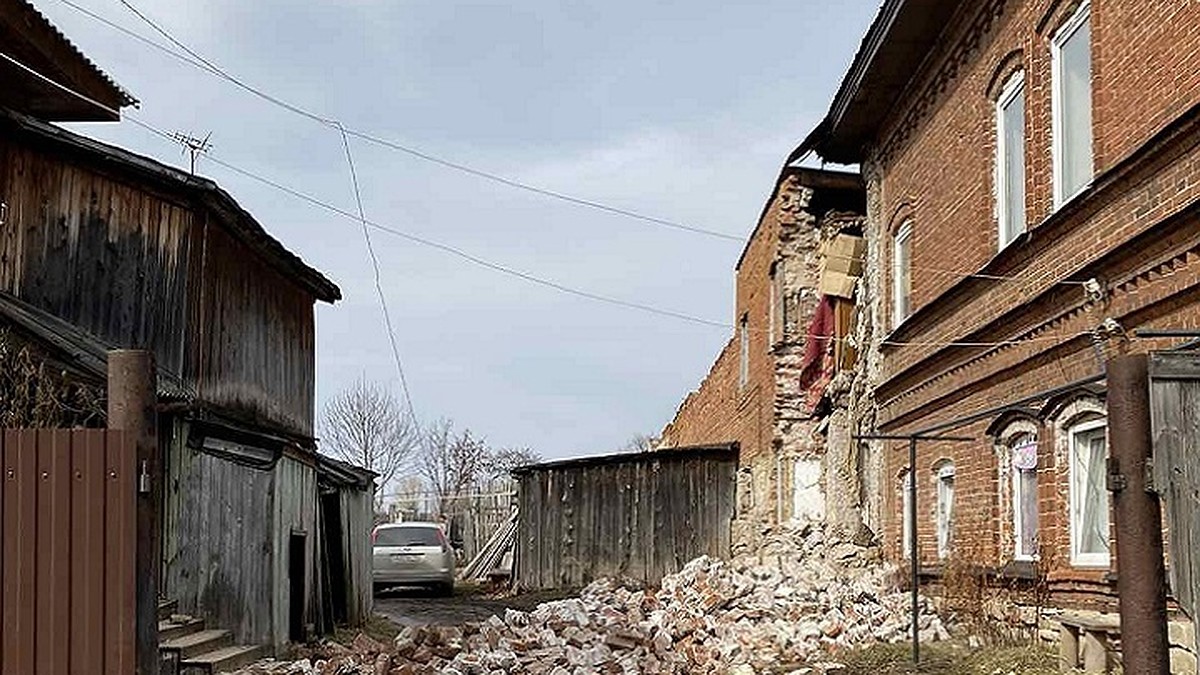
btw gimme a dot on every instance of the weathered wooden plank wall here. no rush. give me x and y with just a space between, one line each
137 265
358 516
251 345
218 540
637 516
1175 424
294 512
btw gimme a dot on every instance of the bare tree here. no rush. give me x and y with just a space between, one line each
498 463
451 464
640 443
365 425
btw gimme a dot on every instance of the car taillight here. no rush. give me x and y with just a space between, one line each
442 539
374 535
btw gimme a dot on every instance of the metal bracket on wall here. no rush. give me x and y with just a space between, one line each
1116 480
3 212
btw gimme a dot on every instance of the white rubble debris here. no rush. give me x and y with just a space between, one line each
778 611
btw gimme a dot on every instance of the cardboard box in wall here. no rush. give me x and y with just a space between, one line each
837 284
844 254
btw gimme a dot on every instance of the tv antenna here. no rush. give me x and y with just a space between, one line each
192 145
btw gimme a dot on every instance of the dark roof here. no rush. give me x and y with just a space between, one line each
29 37
74 348
335 472
725 451
892 51
821 180
233 217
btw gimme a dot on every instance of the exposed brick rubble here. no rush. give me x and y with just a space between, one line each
792 602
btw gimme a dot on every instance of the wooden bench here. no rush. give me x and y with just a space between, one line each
1086 640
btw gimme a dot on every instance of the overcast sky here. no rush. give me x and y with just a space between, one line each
683 111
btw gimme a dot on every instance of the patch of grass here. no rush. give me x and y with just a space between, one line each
949 659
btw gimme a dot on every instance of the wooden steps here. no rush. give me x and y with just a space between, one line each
191 648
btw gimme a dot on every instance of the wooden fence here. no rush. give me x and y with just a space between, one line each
638 516
1175 424
67 587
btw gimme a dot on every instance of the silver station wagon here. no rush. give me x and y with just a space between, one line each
412 554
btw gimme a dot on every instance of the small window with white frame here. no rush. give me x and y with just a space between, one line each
944 474
1089 524
1010 159
1023 458
1071 102
902 274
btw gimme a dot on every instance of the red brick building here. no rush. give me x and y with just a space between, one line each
1033 179
771 386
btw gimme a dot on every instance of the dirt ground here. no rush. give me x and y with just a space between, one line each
419 607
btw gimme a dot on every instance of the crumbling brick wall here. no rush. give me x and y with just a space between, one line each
783 444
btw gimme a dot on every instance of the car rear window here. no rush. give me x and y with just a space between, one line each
407 536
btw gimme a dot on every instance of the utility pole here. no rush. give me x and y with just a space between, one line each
1141 575
132 407
914 558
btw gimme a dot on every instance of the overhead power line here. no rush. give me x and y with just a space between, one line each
360 218
387 316
195 59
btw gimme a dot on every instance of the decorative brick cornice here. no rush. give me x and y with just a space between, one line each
933 88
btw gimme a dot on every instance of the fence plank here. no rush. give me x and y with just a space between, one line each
119 549
87 552
20 520
53 451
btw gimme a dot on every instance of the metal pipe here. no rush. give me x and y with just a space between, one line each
132 407
1141 579
912 547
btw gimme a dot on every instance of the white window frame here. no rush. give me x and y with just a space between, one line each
901 297
1012 89
1079 558
743 352
1018 493
944 475
1082 14
906 501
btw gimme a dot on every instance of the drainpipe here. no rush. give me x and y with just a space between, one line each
1141 574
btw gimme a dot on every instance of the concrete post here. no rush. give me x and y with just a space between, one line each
132 407
1141 574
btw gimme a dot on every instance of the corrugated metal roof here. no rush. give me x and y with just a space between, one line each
45 24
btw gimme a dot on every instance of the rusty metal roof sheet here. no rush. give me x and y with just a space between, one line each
234 218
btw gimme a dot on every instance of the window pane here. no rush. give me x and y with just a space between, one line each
906 486
945 514
1076 118
407 536
1094 520
901 274
1027 512
1012 118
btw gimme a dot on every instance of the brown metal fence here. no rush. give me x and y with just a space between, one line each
67 587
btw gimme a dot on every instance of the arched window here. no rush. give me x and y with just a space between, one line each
1081 444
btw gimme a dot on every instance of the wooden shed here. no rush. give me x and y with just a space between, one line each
635 515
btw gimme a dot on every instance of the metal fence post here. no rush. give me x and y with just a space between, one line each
1141 575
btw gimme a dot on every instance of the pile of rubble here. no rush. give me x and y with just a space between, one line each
786 605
